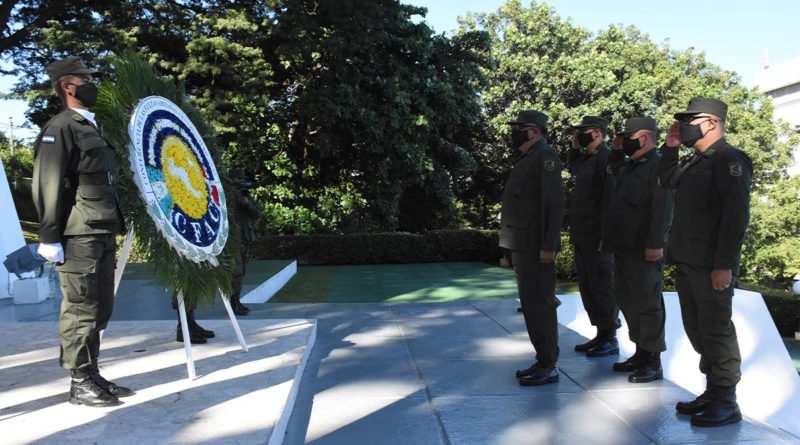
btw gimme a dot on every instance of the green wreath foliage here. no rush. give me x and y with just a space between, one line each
130 80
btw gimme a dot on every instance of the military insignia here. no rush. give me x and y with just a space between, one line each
735 169
549 165
175 174
48 139
608 170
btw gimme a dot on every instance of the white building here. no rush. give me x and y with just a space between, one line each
782 83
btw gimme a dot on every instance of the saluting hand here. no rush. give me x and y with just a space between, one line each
674 136
721 279
653 254
546 256
575 144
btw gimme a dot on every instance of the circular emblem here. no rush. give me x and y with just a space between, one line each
178 180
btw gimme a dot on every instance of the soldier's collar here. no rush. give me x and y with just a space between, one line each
713 148
81 114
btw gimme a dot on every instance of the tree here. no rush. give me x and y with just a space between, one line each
541 61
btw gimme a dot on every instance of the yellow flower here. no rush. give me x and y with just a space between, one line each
184 177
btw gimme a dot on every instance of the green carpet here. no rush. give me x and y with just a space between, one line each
392 283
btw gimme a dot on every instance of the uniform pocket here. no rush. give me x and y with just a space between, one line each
97 204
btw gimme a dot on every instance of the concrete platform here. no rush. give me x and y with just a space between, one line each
238 398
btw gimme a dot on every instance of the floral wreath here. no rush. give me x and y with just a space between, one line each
176 176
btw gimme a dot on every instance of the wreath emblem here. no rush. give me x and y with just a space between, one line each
176 176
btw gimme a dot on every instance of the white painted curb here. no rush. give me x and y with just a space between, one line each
269 288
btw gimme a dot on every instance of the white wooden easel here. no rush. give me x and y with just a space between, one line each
187 343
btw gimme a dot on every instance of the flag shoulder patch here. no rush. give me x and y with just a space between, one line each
48 139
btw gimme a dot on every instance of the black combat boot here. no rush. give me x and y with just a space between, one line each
722 410
694 406
84 391
607 344
238 307
583 347
110 387
630 364
195 328
194 337
649 369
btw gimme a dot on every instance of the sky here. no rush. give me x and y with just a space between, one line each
734 34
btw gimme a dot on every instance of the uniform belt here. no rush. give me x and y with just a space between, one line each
100 178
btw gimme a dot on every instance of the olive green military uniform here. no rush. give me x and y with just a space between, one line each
588 208
74 194
245 212
712 210
531 217
639 214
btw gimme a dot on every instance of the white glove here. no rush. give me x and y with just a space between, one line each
51 252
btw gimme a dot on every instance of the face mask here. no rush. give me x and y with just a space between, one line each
519 137
690 134
585 139
87 94
630 145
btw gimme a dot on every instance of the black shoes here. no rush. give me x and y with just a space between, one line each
605 346
718 413
539 376
646 373
628 365
84 391
528 371
695 406
110 387
583 347
238 307
194 337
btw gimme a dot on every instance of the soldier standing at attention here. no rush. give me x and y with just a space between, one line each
245 212
639 215
587 161
75 197
712 210
531 217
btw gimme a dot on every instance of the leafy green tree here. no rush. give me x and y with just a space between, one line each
542 61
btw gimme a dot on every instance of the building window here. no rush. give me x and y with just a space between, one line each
784 91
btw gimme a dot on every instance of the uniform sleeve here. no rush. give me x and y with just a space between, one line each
668 166
552 202
732 176
609 184
572 160
615 161
660 214
53 152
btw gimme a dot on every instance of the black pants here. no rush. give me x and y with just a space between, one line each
536 283
595 280
87 283
638 291
239 270
707 320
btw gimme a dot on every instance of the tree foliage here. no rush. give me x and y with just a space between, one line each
542 61
351 115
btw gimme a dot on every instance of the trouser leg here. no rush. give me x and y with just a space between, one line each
595 279
536 283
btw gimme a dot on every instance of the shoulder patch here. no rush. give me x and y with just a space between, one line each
608 170
549 164
48 139
735 169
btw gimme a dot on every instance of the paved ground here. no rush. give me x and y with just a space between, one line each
442 373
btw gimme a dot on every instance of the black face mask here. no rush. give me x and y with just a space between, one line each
87 94
584 139
690 134
519 137
630 145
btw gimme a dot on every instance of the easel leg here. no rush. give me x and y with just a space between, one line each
187 340
235 323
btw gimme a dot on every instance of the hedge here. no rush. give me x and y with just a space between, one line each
783 306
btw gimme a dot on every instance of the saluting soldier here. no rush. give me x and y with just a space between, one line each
712 210
587 162
530 224
75 196
639 214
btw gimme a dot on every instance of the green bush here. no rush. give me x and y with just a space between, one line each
783 306
376 248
